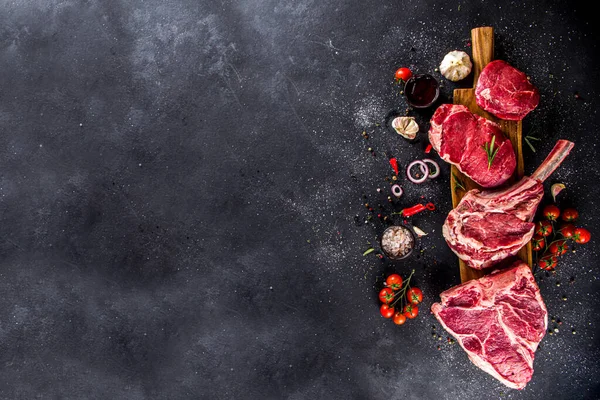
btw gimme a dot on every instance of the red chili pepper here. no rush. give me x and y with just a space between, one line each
408 212
394 164
428 148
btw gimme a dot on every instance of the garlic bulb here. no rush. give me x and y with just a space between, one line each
406 126
456 65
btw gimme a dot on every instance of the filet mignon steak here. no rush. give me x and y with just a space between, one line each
499 320
459 137
489 226
505 91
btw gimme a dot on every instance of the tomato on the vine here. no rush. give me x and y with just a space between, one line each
386 311
403 74
581 235
543 228
538 243
558 248
394 281
548 262
411 311
414 295
567 231
570 215
399 318
386 295
551 212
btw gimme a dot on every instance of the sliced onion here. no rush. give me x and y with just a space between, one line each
424 169
397 190
437 168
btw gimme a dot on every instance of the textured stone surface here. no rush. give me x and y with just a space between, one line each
181 198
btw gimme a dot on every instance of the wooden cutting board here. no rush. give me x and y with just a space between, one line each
482 39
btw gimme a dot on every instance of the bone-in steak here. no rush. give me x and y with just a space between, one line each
499 320
489 226
505 91
459 137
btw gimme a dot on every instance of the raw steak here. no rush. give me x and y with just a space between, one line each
459 136
489 226
499 320
505 91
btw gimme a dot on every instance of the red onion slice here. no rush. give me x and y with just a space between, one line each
437 168
397 190
424 169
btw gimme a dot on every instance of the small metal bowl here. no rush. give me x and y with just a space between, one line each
406 229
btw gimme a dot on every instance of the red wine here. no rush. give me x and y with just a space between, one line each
421 90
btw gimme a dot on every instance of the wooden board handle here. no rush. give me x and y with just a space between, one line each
482 39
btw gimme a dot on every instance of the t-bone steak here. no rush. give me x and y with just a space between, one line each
499 320
505 91
459 137
489 226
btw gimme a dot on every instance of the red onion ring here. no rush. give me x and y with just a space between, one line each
424 169
437 168
397 190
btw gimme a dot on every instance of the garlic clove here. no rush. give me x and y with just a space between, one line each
456 65
406 126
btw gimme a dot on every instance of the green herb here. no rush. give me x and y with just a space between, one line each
490 151
368 251
457 183
528 140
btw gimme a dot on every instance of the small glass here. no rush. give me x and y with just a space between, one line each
421 90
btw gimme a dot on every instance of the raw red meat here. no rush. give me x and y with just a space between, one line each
499 320
489 226
505 91
459 136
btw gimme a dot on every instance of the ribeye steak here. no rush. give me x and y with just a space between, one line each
459 137
499 320
489 226
505 91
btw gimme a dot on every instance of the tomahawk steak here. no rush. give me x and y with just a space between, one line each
459 137
489 226
499 320
505 91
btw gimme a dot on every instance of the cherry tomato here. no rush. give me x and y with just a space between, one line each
386 295
399 318
570 215
386 311
567 231
414 295
394 281
411 311
582 235
551 212
543 228
403 74
548 262
538 243
558 248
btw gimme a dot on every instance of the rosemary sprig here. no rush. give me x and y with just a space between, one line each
490 151
457 183
528 140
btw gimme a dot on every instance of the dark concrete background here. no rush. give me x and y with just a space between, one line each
181 193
